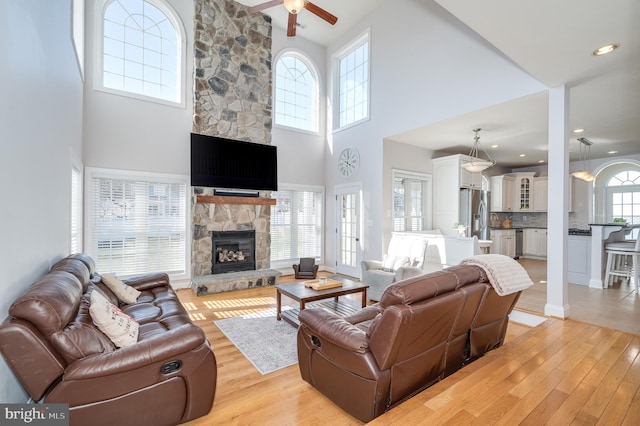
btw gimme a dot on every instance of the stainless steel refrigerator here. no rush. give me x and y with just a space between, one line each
474 212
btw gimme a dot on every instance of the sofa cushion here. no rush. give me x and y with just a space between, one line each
125 293
419 288
119 327
76 268
50 303
81 337
393 263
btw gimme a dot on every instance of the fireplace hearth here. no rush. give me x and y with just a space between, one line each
233 251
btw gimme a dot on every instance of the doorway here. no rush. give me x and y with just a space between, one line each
348 247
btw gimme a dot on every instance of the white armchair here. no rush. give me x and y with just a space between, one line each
404 259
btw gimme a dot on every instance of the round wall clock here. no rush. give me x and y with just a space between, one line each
348 162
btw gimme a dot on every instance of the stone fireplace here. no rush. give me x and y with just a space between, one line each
232 99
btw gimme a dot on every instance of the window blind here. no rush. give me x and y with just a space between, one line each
296 225
138 225
76 210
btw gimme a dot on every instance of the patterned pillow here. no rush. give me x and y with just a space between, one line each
125 293
387 263
118 326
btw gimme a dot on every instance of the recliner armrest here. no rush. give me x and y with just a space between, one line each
335 329
144 282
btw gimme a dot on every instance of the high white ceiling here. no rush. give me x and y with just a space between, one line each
552 40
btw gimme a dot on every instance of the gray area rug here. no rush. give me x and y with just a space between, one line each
267 343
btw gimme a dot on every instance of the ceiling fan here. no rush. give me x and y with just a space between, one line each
294 6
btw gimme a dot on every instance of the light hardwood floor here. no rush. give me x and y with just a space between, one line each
559 373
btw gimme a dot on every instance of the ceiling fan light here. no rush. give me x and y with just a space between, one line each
294 6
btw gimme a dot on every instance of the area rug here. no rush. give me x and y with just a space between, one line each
267 343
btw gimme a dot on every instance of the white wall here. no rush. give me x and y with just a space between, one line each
131 134
40 130
300 154
426 67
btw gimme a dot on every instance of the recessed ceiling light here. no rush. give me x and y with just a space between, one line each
608 48
578 130
494 146
540 161
523 155
612 152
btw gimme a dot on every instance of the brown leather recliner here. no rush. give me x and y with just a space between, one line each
59 355
416 335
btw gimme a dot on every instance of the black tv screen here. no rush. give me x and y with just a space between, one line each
226 163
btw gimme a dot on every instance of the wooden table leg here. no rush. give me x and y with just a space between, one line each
278 304
364 298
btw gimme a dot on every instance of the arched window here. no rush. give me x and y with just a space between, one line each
142 53
617 192
623 196
296 92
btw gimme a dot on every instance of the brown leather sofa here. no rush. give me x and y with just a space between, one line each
60 356
423 329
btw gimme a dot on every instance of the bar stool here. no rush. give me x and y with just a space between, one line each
623 260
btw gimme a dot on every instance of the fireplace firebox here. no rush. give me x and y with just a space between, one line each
233 251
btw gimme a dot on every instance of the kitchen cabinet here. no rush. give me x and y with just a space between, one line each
534 242
502 193
579 259
448 177
504 242
524 192
470 179
540 193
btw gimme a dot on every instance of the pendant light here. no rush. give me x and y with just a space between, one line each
476 163
583 173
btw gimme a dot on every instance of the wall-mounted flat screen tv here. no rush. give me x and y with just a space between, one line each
226 163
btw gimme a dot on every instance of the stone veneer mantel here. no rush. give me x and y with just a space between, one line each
218 199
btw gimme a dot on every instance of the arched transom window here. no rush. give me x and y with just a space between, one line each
141 49
623 196
296 93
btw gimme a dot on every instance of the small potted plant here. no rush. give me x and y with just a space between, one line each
461 228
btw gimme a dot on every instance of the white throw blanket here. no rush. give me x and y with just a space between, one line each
505 274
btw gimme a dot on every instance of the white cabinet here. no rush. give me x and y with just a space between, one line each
504 242
524 192
448 175
502 193
470 179
579 259
534 242
540 192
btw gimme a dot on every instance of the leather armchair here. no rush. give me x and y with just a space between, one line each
306 269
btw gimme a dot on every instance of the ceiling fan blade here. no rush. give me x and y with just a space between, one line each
263 6
291 27
321 13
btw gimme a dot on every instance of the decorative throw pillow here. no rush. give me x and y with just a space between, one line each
387 263
118 326
125 293
400 262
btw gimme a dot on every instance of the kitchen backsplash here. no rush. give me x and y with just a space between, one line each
537 220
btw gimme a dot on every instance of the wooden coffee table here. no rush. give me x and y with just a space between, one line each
304 295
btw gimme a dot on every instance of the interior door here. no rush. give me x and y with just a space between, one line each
348 248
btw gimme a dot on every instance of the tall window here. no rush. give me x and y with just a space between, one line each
141 49
353 82
137 222
623 196
76 209
410 207
296 224
296 93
